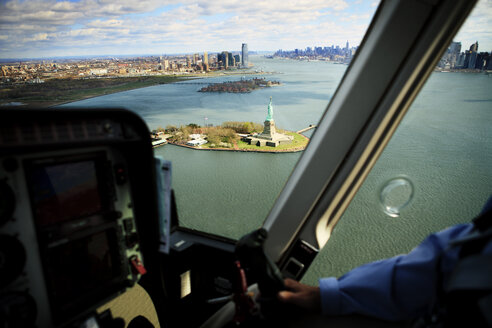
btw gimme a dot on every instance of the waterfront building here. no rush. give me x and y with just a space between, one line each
269 137
230 59
461 61
245 62
455 48
482 60
473 60
224 59
474 47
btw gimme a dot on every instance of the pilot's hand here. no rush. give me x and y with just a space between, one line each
307 297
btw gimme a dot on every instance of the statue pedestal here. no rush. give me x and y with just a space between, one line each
269 130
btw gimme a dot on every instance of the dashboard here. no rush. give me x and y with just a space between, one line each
69 241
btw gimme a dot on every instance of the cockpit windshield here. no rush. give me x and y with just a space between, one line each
233 91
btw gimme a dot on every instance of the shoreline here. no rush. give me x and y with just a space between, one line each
179 78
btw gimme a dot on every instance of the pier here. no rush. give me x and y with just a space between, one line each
311 126
157 143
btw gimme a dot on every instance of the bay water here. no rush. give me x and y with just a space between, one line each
443 146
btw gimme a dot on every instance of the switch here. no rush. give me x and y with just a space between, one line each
120 174
137 265
131 240
128 224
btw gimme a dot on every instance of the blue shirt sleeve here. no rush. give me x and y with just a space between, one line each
398 288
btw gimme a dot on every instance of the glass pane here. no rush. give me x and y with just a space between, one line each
222 192
443 147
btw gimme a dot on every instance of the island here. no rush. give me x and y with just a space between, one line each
241 86
235 136
229 136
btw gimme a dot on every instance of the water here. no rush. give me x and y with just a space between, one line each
443 146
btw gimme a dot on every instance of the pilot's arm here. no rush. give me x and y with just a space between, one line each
398 288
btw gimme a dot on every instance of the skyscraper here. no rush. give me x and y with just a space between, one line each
455 48
224 59
474 47
245 62
205 61
205 58
230 59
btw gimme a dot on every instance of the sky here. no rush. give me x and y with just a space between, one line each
50 28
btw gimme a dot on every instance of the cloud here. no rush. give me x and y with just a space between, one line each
152 26
111 23
478 26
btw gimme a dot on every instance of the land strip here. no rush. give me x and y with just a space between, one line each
58 91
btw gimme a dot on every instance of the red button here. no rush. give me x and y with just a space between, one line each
137 265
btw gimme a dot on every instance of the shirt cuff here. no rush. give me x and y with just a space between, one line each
330 296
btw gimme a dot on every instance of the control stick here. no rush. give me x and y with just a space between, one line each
260 268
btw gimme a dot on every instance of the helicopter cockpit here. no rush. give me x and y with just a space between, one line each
87 211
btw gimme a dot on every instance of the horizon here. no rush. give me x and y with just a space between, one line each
46 29
108 56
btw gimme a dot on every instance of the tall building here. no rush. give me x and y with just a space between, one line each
473 55
205 58
230 59
455 48
473 60
224 59
466 62
244 49
461 60
474 47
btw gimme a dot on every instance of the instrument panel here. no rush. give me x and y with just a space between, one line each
68 238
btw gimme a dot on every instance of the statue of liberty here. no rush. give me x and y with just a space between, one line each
269 137
270 111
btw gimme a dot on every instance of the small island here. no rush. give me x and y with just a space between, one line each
241 86
235 136
224 138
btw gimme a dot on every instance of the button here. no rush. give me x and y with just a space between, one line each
137 265
120 174
131 240
128 224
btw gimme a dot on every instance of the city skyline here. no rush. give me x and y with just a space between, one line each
49 28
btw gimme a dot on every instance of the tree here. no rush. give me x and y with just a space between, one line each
171 128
